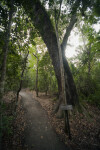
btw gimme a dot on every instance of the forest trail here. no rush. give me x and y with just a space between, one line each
38 134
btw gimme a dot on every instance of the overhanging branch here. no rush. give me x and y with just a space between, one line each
35 55
71 24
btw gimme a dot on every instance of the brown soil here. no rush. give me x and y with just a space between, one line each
85 127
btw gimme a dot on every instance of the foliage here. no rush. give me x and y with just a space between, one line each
86 69
6 128
47 79
46 76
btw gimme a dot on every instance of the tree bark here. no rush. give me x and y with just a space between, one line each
37 79
71 93
36 85
89 60
63 92
64 98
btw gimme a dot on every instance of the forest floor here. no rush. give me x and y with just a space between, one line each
14 123
85 127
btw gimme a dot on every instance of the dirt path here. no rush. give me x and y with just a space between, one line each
39 134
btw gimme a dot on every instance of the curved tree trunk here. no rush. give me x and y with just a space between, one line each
42 22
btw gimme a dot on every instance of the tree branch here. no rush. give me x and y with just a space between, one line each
59 11
35 55
68 31
71 24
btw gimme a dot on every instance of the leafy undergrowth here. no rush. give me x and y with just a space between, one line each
12 136
85 127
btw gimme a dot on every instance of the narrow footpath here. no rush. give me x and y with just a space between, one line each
38 134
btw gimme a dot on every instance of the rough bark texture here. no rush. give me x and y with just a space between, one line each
61 67
42 22
71 93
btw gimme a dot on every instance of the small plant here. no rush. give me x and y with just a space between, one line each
5 122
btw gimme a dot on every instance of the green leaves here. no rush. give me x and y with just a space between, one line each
85 71
47 79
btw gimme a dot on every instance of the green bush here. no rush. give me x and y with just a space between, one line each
94 98
5 122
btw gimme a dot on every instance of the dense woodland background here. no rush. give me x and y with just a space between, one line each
29 55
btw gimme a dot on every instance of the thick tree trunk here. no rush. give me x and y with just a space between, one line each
71 93
42 22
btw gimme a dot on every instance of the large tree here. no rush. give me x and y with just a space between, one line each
42 22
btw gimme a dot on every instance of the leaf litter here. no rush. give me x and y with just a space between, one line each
85 128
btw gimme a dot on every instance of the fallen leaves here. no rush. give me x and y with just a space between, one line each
85 130
18 125
41 137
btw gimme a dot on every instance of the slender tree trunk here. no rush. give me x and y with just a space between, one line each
63 92
46 91
36 85
24 67
37 79
89 61
88 49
